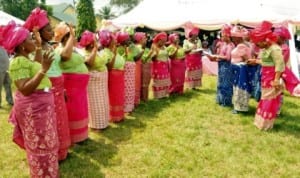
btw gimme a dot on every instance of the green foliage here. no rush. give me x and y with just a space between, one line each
85 17
49 9
106 13
180 136
126 4
22 8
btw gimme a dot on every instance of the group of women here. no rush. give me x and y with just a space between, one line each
256 68
65 89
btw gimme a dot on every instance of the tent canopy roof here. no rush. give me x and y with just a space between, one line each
208 15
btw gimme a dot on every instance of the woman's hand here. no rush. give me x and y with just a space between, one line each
37 36
276 84
251 62
96 46
72 31
47 61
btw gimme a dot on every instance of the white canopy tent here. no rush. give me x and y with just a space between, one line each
163 15
5 18
208 15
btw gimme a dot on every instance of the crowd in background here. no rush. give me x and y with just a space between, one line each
62 90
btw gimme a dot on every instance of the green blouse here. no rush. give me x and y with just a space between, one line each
179 54
145 57
119 62
102 58
55 70
272 57
121 50
23 68
187 45
162 55
133 51
74 65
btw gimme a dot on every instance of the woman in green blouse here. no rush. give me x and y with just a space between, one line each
116 80
97 63
177 56
76 78
193 59
272 62
38 20
33 112
160 66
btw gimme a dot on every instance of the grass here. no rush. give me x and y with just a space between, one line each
182 136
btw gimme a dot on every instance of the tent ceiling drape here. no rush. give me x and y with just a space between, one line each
208 15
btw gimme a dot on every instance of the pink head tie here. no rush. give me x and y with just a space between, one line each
160 36
105 37
38 18
139 36
12 36
87 38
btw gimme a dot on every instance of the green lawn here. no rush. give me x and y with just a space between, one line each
182 136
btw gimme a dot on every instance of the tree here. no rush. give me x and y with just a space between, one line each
85 17
126 4
49 9
22 8
12 7
106 13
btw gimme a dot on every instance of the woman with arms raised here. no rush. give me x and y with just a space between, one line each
177 56
76 79
33 113
160 66
38 20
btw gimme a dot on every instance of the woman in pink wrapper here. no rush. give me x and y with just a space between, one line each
116 77
272 63
160 66
193 59
33 113
76 78
178 67
38 19
140 40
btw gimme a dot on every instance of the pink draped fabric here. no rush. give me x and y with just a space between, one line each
77 105
209 67
116 86
61 116
292 83
35 131
161 79
193 70
177 75
270 101
129 75
138 82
